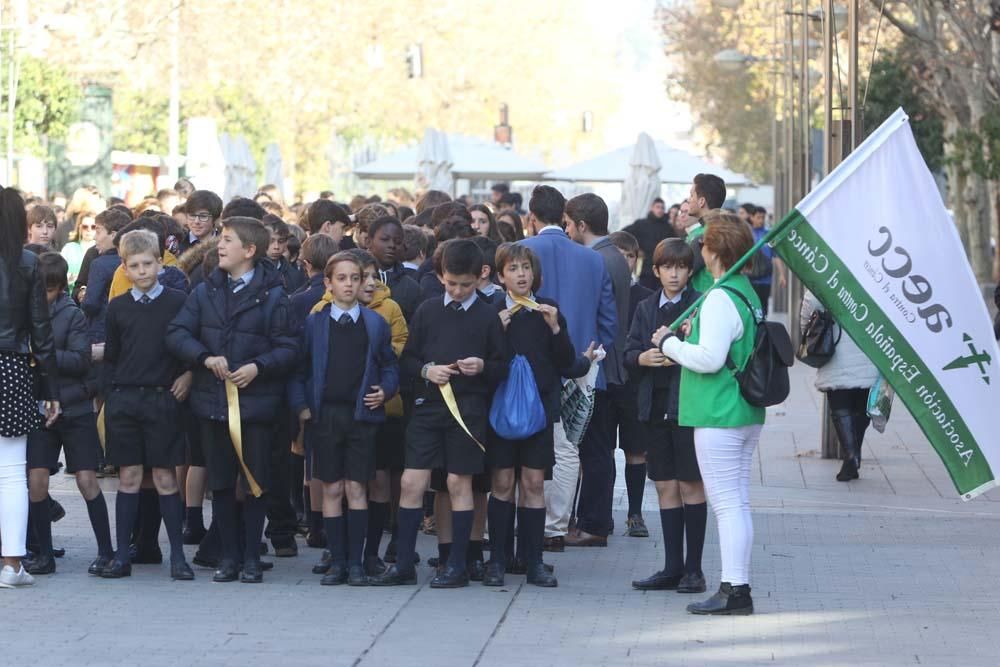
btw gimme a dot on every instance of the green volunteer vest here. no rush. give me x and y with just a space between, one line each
702 280
714 400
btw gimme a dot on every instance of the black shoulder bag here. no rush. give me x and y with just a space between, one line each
764 380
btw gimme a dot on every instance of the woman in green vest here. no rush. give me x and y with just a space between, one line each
726 427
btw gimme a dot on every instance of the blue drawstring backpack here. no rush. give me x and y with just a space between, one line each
517 411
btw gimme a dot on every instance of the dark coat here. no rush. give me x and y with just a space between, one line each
403 289
649 318
69 330
302 302
381 366
95 302
25 326
292 275
621 283
250 326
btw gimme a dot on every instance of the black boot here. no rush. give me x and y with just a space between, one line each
729 601
845 427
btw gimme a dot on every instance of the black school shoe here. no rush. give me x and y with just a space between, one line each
393 577
41 565
325 561
181 571
194 535
335 576
729 601
117 570
476 569
151 556
316 540
285 549
253 572
356 576
228 571
539 575
451 577
660 581
97 565
494 574
692 582
374 566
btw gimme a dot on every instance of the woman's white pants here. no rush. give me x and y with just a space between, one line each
13 495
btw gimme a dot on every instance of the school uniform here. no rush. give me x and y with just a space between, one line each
624 411
95 301
141 415
405 290
669 447
244 319
291 274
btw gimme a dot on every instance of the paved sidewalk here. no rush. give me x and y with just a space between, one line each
892 569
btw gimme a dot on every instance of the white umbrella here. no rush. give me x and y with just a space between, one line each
474 159
206 163
248 168
434 163
642 185
230 155
273 169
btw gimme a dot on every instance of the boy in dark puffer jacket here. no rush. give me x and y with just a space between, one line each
233 330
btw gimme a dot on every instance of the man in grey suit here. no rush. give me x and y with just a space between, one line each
586 221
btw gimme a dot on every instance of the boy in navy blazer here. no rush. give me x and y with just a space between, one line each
347 373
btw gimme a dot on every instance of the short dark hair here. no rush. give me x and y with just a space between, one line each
590 209
342 256
53 269
364 257
382 222
318 249
547 204
624 241
460 257
509 199
276 225
322 211
448 210
673 252
489 249
431 199
511 252
712 188
112 220
502 188
659 200
204 200
406 212
124 209
241 207
147 223
250 231
453 227
326 194
414 242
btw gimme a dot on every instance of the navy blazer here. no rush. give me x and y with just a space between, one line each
575 277
250 326
381 366
303 301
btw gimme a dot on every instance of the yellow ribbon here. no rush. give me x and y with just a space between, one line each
521 302
100 429
236 435
449 399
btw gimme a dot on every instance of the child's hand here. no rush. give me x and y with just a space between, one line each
686 328
97 352
182 386
440 375
660 334
375 399
51 413
244 375
551 315
651 358
470 366
305 415
591 352
505 316
219 367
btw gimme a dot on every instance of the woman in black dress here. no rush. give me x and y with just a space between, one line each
27 365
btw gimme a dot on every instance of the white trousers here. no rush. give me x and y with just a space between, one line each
13 495
725 457
561 489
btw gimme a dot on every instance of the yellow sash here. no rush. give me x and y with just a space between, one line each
236 435
449 399
100 429
521 302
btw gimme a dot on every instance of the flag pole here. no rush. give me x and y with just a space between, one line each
774 236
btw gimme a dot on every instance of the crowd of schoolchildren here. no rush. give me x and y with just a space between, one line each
336 371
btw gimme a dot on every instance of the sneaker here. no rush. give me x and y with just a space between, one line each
11 579
636 527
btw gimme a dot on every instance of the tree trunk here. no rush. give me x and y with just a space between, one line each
977 205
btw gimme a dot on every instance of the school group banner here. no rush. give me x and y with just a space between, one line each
876 245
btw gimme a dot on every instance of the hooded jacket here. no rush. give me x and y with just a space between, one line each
69 331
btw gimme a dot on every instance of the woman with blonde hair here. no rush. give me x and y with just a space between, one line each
81 240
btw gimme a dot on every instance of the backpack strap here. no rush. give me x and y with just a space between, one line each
729 360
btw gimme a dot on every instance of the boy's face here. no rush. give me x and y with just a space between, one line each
88 228
278 247
631 257
52 293
233 254
368 280
335 230
200 223
459 286
673 278
103 239
386 243
42 233
517 276
142 270
343 282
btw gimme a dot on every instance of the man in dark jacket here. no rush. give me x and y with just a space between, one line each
649 232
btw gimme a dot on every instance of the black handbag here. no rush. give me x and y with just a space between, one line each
819 339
